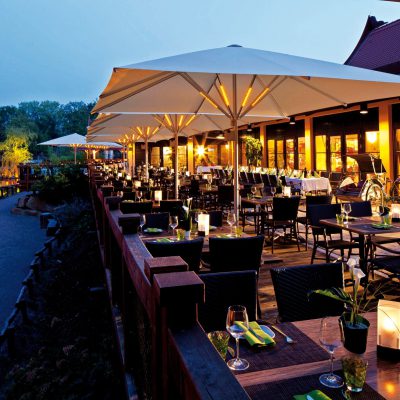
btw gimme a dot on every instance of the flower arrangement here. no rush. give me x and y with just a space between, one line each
186 215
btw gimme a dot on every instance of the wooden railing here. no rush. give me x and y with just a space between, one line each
164 351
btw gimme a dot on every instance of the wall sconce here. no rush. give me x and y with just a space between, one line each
137 184
158 196
292 121
200 151
363 108
287 191
203 224
395 210
389 329
372 136
249 128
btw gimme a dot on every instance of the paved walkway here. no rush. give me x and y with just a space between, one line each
20 238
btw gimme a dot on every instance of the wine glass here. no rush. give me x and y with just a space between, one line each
346 208
173 223
253 190
231 219
223 181
273 190
330 339
237 323
142 221
139 195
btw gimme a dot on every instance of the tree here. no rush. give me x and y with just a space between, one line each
15 150
253 151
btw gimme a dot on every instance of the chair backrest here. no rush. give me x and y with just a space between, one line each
324 174
215 217
222 290
225 194
273 180
317 212
250 178
189 250
285 208
171 206
139 207
319 199
257 177
265 179
361 209
243 177
157 220
292 287
235 254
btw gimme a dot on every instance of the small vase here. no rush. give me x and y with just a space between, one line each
355 336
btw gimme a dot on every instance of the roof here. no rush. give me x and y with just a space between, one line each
378 47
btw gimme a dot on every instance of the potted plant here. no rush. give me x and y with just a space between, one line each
354 326
253 151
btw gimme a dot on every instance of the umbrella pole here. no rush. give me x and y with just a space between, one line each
75 155
176 166
146 159
132 166
236 197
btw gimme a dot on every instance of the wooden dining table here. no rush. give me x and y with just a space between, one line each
363 227
382 376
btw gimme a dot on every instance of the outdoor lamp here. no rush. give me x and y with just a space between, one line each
363 108
287 191
388 329
249 129
395 209
158 195
292 121
137 184
203 224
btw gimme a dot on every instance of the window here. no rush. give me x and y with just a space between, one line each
301 148
320 152
167 157
155 156
271 153
290 153
351 148
224 154
335 146
372 142
280 156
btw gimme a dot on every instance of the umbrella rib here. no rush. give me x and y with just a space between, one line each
308 85
142 89
194 84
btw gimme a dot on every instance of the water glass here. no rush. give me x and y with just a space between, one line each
355 371
346 208
173 222
231 219
142 222
180 234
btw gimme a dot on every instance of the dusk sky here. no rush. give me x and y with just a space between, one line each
65 50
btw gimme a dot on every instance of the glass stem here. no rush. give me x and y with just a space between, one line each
331 363
237 348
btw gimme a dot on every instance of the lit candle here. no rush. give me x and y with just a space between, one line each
389 326
203 224
287 191
137 184
395 209
158 195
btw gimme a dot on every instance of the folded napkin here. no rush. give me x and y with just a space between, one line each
255 336
164 240
152 230
315 395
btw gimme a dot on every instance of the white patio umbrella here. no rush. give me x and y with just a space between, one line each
239 82
77 141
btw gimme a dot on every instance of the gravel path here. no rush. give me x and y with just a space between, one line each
20 238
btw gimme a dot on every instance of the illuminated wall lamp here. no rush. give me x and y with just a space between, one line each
388 342
203 224
200 151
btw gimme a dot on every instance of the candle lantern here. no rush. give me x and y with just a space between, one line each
128 177
203 224
389 329
119 174
158 195
287 191
395 209
137 184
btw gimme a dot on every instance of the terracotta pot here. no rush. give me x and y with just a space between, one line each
355 336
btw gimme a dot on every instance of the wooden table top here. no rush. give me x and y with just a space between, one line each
362 226
383 376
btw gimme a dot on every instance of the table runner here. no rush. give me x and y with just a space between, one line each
282 354
286 389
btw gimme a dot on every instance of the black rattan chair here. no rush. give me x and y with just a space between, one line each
157 220
173 207
140 207
223 290
292 286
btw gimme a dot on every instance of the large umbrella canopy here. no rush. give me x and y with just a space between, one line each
79 142
236 82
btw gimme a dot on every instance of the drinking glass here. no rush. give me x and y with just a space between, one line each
139 195
142 222
330 339
354 371
237 314
231 219
346 208
173 223
273 190
223 181
253 190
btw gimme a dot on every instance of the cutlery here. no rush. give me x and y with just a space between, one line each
287 338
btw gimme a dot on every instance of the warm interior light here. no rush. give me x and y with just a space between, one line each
208 99
260 96
169 122
224 96
227 146
372 136
190 120
220 136
363 109
389 325
180 120
203 224
200 150
139 130
246 97
156 130
147 131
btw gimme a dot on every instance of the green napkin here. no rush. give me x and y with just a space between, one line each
225 236
250 337
153 230
164 240
315 394
255 328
